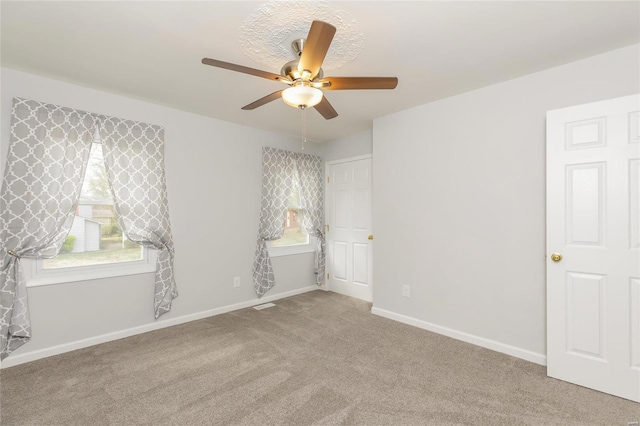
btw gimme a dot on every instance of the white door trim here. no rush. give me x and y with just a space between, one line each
344 160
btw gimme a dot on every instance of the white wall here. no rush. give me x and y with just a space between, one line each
350 146
213 173
470 173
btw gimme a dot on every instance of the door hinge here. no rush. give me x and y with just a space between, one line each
327 275
328 179
327 228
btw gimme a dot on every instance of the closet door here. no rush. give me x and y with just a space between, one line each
349 234
593 246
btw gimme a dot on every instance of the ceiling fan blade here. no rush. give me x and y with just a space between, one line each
240 68
359 83
262 101
326 109
316 47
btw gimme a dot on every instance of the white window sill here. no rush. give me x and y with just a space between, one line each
35 276
293 250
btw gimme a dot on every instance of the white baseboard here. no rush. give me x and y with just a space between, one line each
465 337
21 358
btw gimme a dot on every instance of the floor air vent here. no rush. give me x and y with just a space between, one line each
264 306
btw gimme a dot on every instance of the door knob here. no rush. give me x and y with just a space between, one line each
556 257
370 237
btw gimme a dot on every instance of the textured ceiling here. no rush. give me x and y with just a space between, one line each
152 50
266 35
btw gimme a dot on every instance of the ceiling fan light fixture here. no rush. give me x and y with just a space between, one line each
302 96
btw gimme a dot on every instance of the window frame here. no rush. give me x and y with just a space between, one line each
36 275
308 247
293 249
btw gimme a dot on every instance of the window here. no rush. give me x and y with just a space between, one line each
95 246
295 239
293 234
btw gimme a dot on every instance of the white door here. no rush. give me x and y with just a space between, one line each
593 222
349 234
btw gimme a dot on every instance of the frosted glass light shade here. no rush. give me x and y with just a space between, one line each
305 96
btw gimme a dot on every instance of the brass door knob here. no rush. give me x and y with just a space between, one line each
370 237
556 257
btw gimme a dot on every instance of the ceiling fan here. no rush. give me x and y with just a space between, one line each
305 77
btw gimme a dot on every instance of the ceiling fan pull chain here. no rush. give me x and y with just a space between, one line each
304 126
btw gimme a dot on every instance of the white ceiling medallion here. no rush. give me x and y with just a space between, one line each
266 34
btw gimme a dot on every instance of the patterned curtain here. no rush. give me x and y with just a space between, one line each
312 200
278 167
48 153
277 183
134 160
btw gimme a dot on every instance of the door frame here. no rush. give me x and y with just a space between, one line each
328 164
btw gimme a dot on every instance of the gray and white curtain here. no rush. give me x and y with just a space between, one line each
311 198
48 153
134 160
278 168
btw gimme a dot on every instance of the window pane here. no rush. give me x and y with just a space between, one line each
294 234
95 237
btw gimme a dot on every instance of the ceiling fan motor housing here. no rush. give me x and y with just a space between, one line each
297 46
290 70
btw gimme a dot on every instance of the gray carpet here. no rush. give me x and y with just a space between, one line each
318 358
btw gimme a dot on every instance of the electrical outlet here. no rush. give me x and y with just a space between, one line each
406 291
236 281
632 423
